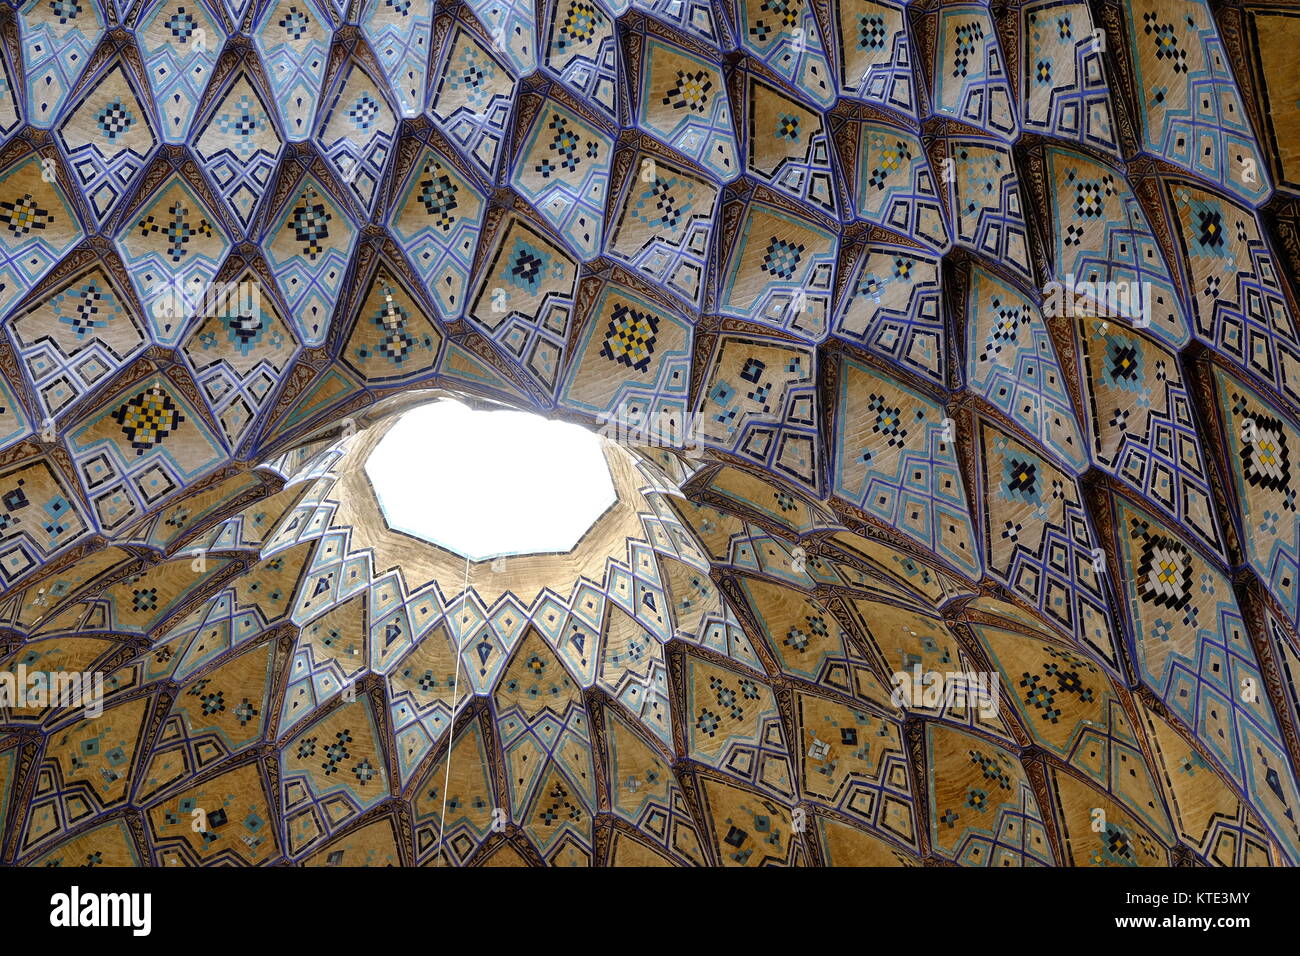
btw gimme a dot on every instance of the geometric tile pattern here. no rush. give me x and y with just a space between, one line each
173 247
436 224
1143 431
665 226
37 226
759 404
876 55
355 132
239 147
308 250
787 39
1260 444
970 82
179 43
108 137
895 459
1012 363
1101 235
989 208
56 51
472 99
563 170
928 342
893 308
794 258
1037 539
1193 647
895 186
1238 306
399 32
293 39
1065 91
989 814
1190 108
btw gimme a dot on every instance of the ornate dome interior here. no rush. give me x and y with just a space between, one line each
910 339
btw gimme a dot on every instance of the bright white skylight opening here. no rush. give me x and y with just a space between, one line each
490 483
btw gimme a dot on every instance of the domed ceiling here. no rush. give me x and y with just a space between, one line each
929 338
